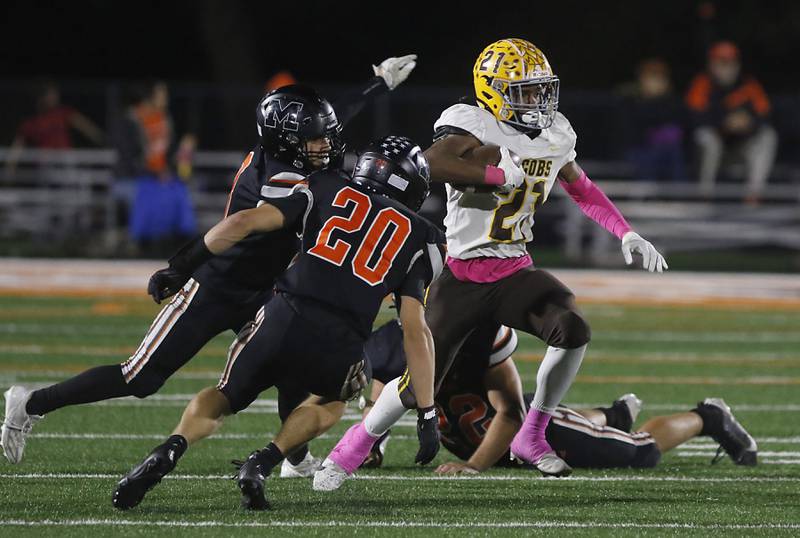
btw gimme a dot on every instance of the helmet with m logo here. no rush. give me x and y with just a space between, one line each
289 117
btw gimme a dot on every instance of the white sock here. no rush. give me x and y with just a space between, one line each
387 410
555 375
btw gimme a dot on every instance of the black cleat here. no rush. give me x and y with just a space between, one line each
720 424
250 480
626 410
144 477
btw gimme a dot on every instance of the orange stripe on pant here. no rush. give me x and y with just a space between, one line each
237 347
159 329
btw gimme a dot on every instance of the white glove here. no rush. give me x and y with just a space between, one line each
652 260
509 164
395 70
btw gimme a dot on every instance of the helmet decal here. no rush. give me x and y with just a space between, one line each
396 144
394 166
286 116
289 117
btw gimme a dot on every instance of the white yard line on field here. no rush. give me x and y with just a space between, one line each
392 524
711 453
791 440
159 400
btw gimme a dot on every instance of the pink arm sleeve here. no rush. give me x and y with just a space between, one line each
596 205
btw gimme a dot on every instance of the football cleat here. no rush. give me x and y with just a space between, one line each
632 406
330 477
532 448
250 480
348 454
17 423
633 403
375 458
144 477
548 464
722 426
304 469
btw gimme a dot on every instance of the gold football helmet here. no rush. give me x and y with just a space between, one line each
514 81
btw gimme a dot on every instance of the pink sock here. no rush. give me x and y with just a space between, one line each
352 449
530 442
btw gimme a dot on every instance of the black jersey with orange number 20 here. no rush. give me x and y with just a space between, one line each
357 248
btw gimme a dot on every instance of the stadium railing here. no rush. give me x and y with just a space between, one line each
61 194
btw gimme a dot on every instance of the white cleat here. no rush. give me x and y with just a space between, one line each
633 403
330 477
17 423
304 469
549 465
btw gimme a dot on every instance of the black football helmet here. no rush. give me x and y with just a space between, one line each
288 117
394 166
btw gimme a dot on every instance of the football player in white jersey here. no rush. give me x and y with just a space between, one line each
490 213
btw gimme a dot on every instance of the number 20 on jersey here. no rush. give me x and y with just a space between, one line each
367 264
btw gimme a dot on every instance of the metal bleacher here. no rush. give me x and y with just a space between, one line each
61 194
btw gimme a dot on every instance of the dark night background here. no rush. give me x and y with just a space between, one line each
591 44
218 54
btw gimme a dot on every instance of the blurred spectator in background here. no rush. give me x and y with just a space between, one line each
654 113
129 141
730 112
49 127
162 213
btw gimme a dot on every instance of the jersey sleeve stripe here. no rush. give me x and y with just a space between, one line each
437 260
302 187
242 168
275 192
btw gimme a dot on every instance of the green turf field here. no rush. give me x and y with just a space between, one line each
670 356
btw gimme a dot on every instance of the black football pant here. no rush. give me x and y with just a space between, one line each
314 352
188 322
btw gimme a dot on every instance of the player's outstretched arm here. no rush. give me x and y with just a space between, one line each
504 390
596 205
418 346
229 231
389 74
234 228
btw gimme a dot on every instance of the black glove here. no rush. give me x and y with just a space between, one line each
191 256
428 434
168 282
165 283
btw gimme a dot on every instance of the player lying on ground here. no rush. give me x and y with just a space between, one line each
489 274
481 407
299 133
361 241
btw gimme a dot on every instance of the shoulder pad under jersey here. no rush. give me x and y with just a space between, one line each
465 117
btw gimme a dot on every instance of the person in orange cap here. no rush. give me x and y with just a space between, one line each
731 111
